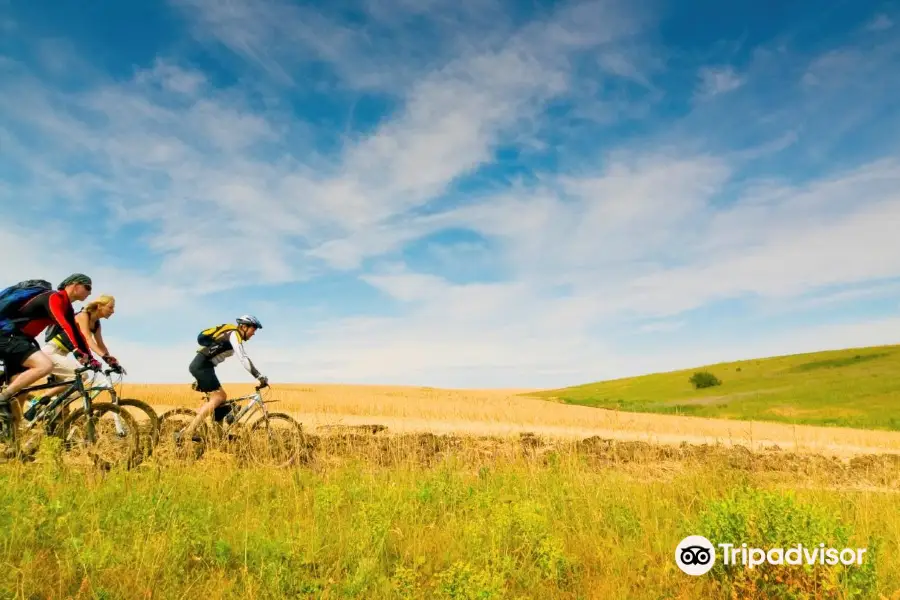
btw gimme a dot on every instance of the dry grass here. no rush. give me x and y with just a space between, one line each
504 412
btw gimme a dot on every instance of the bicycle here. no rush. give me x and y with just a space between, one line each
78 430
151 430
286 449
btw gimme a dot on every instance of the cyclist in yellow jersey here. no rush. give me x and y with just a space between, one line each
217 344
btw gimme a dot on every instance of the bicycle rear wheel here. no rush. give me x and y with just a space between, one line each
147 422
95 439
278 440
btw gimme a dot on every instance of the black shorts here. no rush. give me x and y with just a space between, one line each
15 348
205 374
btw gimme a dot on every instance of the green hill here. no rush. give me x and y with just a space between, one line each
855 387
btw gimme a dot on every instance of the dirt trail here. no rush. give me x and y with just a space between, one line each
505 413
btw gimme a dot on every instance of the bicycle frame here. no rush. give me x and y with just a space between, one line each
75 386
256 404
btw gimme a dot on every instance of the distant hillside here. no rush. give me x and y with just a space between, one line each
855 387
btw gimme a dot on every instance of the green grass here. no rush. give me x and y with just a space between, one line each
595 522
857 387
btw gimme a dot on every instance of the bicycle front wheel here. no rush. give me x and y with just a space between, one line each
279 440
97 440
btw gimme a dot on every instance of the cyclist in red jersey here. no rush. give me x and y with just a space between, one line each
25 363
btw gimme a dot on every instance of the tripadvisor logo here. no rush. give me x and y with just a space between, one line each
696 555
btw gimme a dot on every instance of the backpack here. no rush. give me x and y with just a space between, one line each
16 296
210 336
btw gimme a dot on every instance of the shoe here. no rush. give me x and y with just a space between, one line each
178 435
34 407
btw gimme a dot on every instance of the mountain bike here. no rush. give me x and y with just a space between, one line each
273 436
87 432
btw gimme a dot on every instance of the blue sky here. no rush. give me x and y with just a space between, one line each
487 193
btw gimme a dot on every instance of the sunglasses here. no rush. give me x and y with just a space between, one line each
87 286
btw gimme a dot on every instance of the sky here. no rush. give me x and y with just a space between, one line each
459 194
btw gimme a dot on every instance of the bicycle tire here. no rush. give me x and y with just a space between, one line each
302 452
167 416
151 430
131 456
165 435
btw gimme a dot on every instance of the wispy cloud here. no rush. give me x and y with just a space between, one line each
382 53
717 80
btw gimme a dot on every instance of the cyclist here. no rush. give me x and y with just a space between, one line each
59 345
217 344
25 363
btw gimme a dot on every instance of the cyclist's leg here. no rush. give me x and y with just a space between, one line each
216 398
207 382
25 363
221 411
63 369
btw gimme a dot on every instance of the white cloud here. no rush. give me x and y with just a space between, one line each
282 37
717 80
833 66
786 243
631 212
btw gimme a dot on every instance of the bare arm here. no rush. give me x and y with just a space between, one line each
95 341
100 345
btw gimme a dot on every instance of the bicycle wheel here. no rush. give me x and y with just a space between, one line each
278 439
95 439
176 420
147 422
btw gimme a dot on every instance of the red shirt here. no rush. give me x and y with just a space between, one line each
46 309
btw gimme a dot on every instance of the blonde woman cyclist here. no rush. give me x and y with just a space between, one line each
59 347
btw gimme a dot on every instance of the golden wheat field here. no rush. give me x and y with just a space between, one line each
407 409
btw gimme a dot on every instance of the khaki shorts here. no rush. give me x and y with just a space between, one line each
64 364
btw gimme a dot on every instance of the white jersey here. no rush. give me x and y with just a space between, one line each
232 343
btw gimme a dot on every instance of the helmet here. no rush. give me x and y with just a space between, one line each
74 278
249 320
